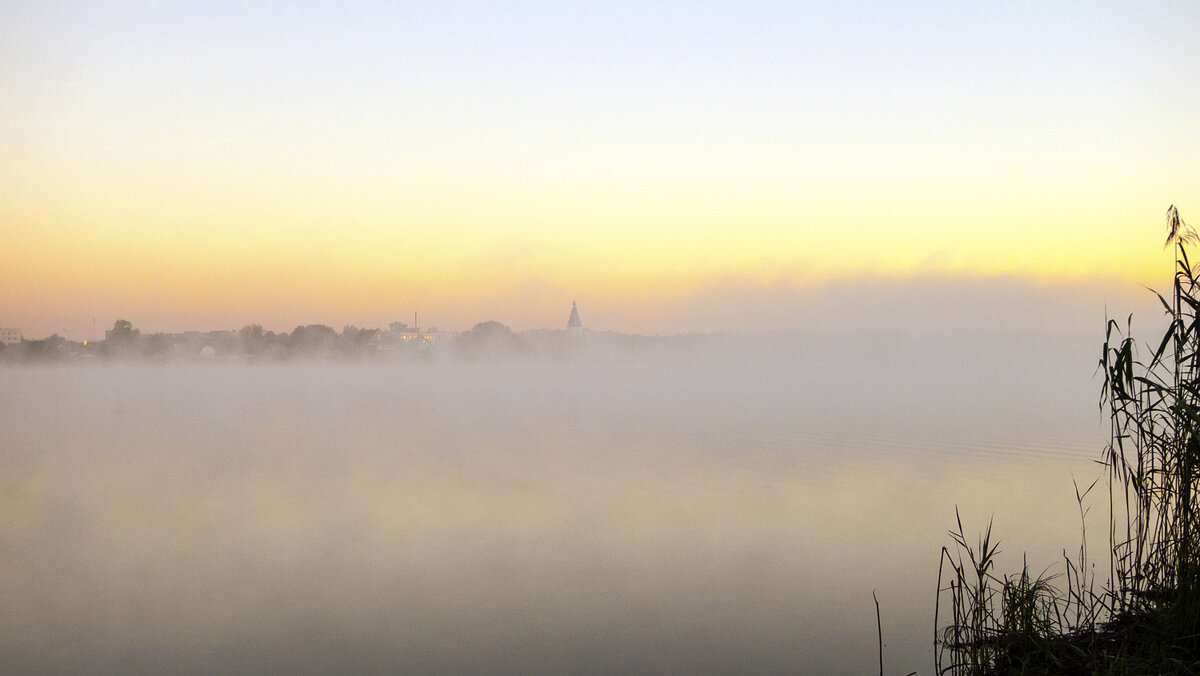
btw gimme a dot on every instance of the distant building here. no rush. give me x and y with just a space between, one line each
574 326
10 336
399 333
368 339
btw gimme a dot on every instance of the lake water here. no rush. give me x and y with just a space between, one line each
726 509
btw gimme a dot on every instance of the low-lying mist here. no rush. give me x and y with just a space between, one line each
532 502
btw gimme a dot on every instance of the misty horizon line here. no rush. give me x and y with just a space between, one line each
398 342
391 327
732 305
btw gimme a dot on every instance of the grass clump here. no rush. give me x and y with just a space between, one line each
1145 618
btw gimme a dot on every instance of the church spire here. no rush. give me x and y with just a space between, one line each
574 326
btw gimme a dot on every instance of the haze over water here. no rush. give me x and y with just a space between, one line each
897 229
728 506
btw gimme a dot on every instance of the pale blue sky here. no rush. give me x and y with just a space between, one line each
586 148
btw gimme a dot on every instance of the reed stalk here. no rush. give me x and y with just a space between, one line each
1146 617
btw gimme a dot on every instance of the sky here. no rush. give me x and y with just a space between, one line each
209 165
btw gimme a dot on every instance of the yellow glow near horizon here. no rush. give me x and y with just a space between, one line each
521 158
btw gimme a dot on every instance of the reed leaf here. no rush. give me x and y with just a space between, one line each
1145 617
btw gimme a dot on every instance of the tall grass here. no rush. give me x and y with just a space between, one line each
1145 618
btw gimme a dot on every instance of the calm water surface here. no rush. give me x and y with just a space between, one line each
666 513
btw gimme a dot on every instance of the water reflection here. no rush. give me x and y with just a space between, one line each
671 516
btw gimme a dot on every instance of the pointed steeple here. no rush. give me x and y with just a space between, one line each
573 324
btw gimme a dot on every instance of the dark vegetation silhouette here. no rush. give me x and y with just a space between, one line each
1146 618
314 341
490 337
399 341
